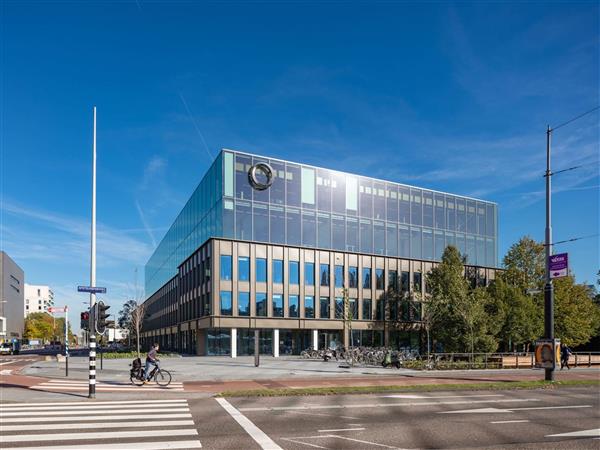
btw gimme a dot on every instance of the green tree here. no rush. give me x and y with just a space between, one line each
517 316
576 316
525 266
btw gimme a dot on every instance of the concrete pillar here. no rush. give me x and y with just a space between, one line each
234 342
315 339
276 343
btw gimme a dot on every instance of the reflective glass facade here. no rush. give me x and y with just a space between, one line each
313 207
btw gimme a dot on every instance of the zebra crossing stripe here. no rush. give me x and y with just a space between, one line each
83 407
124 446
75 413
96 435
109 402
102 425
93 418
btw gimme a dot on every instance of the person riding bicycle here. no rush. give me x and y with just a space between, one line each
151 360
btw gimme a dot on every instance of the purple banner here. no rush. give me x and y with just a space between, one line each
559 265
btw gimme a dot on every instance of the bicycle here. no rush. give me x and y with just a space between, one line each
161 377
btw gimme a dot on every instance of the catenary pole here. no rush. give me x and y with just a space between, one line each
92 375
548 287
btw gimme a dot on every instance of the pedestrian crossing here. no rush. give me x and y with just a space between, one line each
62 385
4 362
112 425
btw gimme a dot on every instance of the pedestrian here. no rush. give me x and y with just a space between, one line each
151 360
565 353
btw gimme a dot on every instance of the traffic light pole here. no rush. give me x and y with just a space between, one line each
66 341
92 374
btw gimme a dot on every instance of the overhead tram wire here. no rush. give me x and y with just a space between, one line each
575 118
575 239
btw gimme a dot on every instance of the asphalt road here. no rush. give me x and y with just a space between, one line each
536 419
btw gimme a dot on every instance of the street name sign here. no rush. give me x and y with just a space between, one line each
91 290
559 265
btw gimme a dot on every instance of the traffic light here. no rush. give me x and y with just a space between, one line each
85 320
100 316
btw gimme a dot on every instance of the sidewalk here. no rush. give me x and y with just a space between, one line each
211 375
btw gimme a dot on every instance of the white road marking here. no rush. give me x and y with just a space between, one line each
255 433
322 414
552 407
96 435
98 425
105 388
360 441
89 406
305 443
124 446
340 429
510 410
594 432
412 396
85 418
510 421
76 413
385 405
7 362
6 372
124 402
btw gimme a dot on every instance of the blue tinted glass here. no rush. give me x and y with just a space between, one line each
309 306
351 234
294 310
323 230
380 284
427 244
277 305
339 307
309 274
225 267
261 270
366 279
338 232
378 238
261 222
294 275
243 221
261 304
366 236
243 268
225 300
339 276
293 226
244 303
309 229
367 313
324 308
415 243
277 230
352 277
324 275
277 271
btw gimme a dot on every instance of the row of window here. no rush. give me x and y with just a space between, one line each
324 279
329 191
405 310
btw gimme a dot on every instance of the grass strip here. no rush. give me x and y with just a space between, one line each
340 390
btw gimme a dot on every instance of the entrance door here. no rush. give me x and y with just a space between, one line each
330 339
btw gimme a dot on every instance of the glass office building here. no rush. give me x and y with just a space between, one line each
282 259
313 207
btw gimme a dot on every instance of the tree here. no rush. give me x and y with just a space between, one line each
131 317
518 316
525 265
43 326
576 316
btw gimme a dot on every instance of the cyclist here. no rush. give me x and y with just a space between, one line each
151 360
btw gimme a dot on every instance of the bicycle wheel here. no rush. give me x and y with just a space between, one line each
162 377
135 380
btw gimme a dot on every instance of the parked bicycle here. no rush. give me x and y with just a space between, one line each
160 376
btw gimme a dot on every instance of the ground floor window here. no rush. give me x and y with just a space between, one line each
405 340
292 342
367 338
218 341
245 342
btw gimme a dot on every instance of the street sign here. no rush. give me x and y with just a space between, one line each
57 309
91 290
559 265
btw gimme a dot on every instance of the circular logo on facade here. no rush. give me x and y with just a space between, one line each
260 176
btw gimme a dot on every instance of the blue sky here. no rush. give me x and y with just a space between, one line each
454 97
